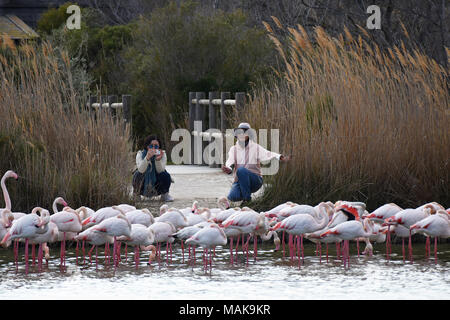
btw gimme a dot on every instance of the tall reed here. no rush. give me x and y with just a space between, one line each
56 147
360 123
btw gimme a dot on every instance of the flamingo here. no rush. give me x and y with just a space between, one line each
208 237
273 213
95 239
380 215
248 221
8 174
50 235
68 221
222 203
100 215
142 237
6 220
26 227
299 224
436 225
408 217
349 230
200 215
175 217
164 231
188 232
115 226
140 216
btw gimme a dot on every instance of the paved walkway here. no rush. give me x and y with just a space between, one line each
193 182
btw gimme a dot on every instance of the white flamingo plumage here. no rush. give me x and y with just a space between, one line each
95 239
100 215
436 225
141 237
349 230
173 216
207 238
164 231
140 216
26 227
299 224
50 235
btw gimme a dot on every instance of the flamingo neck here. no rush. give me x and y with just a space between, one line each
6 195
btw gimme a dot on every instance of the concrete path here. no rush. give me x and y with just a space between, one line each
193 182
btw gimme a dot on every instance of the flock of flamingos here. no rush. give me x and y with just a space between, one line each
207 228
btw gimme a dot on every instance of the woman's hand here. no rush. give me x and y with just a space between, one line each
150 153
226 169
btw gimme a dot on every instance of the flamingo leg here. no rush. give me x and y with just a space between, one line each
301 243
182 249
298 250
26 256
435 249
76 253
403 249
283 245
231 250
237 245
327 252
255 247
410 247
33 254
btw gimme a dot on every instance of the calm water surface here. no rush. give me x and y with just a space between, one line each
270 277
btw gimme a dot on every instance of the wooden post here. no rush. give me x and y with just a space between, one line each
127 112
112 99
223 120
92 99
240 102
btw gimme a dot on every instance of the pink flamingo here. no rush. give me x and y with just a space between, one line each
115 226
208 237
140 216
6 220
141 237
299 224
346 231
163 233
95 239
188 232
26 227
67 221
380 215
100 215
248 222
436 225
173 216
407 218
50 235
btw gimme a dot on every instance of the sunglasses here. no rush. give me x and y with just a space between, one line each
153 146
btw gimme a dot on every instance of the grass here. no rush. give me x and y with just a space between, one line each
360 124
56 147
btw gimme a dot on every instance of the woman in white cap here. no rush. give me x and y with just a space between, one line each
245 157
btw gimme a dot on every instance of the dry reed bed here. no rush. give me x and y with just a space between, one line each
54 145
360 124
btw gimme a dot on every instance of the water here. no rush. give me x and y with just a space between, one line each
270 277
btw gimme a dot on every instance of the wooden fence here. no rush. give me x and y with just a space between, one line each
215 117
111 104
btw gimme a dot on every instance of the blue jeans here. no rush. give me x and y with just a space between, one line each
248 182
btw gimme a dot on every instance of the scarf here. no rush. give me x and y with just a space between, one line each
150 173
